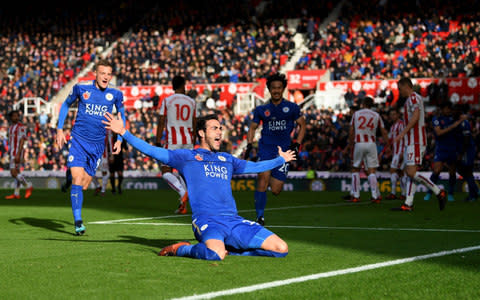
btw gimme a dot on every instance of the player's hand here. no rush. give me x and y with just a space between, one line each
61 140
17 160
117 147
114 124
295 147
247 151
288 155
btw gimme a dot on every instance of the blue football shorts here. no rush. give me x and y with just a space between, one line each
85 154
445 155
267 152
235 231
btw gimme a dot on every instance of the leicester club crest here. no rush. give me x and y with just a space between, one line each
86 95
267 113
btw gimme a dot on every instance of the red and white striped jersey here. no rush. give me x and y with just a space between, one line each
15 134
366 122
417 134
179 110
394 132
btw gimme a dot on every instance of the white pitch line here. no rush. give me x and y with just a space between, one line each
315 227
240 211
376 228
277 283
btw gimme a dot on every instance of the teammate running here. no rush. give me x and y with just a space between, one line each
279 118
95 98
177 116
415 141
216 223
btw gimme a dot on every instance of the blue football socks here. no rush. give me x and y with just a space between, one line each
199 251
76 197
260 202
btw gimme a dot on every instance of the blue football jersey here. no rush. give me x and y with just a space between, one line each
278 122
93 103
208 175
448 140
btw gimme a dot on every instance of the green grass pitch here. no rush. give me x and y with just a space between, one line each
40 258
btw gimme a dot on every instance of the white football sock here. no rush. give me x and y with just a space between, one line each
22 180
372 180
427 182
16 192
356 184
403 184
105 181
182 182
411 188
394 179
174 183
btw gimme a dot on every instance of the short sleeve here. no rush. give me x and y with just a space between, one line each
73 95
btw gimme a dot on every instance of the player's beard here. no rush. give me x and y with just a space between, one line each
211 145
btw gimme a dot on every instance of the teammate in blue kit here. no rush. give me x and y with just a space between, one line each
215 220
466 151
444 127
95 98
279 118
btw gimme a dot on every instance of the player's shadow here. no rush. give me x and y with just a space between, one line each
49 224
157 244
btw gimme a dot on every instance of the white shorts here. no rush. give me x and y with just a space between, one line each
398 161
367 153
414 154
175 147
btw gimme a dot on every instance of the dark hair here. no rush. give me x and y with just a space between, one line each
276 77
406 81
202 123
12 112
368 102
178 82
103 62
444 104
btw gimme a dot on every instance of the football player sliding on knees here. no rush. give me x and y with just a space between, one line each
217 226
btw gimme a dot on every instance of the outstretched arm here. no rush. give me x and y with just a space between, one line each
262 166
116 125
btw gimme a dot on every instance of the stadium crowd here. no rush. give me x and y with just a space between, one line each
234 44
428 39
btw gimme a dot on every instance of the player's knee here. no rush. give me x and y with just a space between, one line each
276 191
281 247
